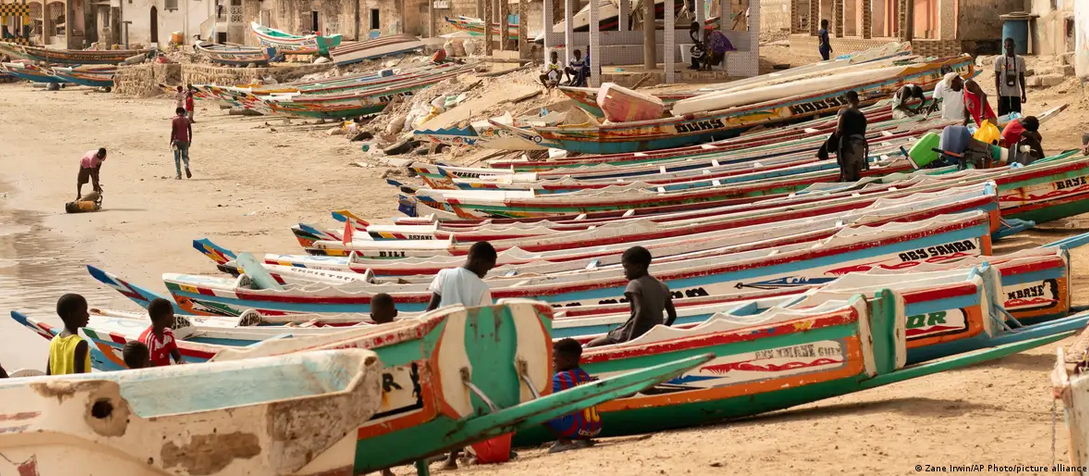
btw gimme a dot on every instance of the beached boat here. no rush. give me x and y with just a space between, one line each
828 351
1070 384
274 416
485 135
286 42
765 107
238 55
31 72
452 377
475 27
80 57
709 273
358 51
84 77
359 102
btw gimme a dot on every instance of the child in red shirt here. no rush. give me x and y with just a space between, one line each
159 338
190 108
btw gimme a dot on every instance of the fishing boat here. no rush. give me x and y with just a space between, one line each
358 51
1070 385
712 272
76 57
836 349
238 55
292 410
31 72
355 103
453 377
761 106
93 78
475 26
286 42
485 135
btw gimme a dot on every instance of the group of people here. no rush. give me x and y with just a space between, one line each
958 99
577 71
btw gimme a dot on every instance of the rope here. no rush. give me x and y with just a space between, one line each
1054 422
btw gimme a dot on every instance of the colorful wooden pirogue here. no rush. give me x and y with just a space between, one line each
95 78
451 378
30 72
286 42
727 114
475 26
72 57
357 51
238 55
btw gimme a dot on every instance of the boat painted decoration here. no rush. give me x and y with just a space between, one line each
456 376
78 57
238 55
286 42
695 128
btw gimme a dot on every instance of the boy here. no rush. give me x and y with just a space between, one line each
697 50
824 46
136 355
574 430
89 167
190 107
574 71
181 136
647 297
465 285
179 97
383 311
68 352
1024 131
158 337
1009 80
975 102
908 101
551 77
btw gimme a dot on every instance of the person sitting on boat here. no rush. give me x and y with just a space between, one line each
576 429
717 45
89 167
1023 132
949 94
158 337
908 101
136 355
849 141
383 310
465 286
576 71
975 100
647 298
551 76
68 352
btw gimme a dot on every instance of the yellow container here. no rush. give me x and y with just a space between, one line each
177 38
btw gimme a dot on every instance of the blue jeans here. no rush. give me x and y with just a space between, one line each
181 153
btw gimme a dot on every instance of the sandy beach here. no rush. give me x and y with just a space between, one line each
254 177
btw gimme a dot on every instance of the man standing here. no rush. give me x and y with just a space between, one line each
89 166
824 46
1009 80
181 136
848 141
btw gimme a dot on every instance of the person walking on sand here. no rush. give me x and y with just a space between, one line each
181 137
179 97
89 166
190 107
1009 80
824 45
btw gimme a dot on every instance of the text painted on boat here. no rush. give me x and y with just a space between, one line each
936 323
818 105
1031 295
938 250
1070 183
697 126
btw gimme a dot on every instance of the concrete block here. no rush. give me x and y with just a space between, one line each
1045 81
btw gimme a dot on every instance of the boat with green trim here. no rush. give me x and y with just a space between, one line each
295 44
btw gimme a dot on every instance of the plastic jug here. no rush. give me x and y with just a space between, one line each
988 133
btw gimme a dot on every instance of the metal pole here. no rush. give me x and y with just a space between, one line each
488 27
568 29
126 23
594 48
670 43
650 43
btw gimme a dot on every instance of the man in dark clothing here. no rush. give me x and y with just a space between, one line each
848 141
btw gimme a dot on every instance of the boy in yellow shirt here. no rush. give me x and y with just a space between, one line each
68 352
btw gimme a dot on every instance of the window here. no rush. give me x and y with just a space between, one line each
170 4
376 19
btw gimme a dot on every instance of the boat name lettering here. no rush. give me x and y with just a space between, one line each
697 126
1029 292
676 294
1070 183
797 351
940 250
419 237
391 254
819 105
926 320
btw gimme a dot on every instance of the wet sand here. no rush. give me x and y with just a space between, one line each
998 412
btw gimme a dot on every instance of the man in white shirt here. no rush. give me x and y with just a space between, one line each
1009 80
465 285
949 93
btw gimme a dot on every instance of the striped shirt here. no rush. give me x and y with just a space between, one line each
579 425
159 349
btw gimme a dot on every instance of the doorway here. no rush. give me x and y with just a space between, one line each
376 20
154 25
314 22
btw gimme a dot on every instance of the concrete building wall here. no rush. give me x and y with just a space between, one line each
977 20
776 15
1053 32
186 18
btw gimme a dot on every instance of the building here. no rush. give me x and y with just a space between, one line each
59 23
934 27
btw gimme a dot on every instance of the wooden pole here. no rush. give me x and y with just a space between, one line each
594 48
504 24
650 43
488 48
523 30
